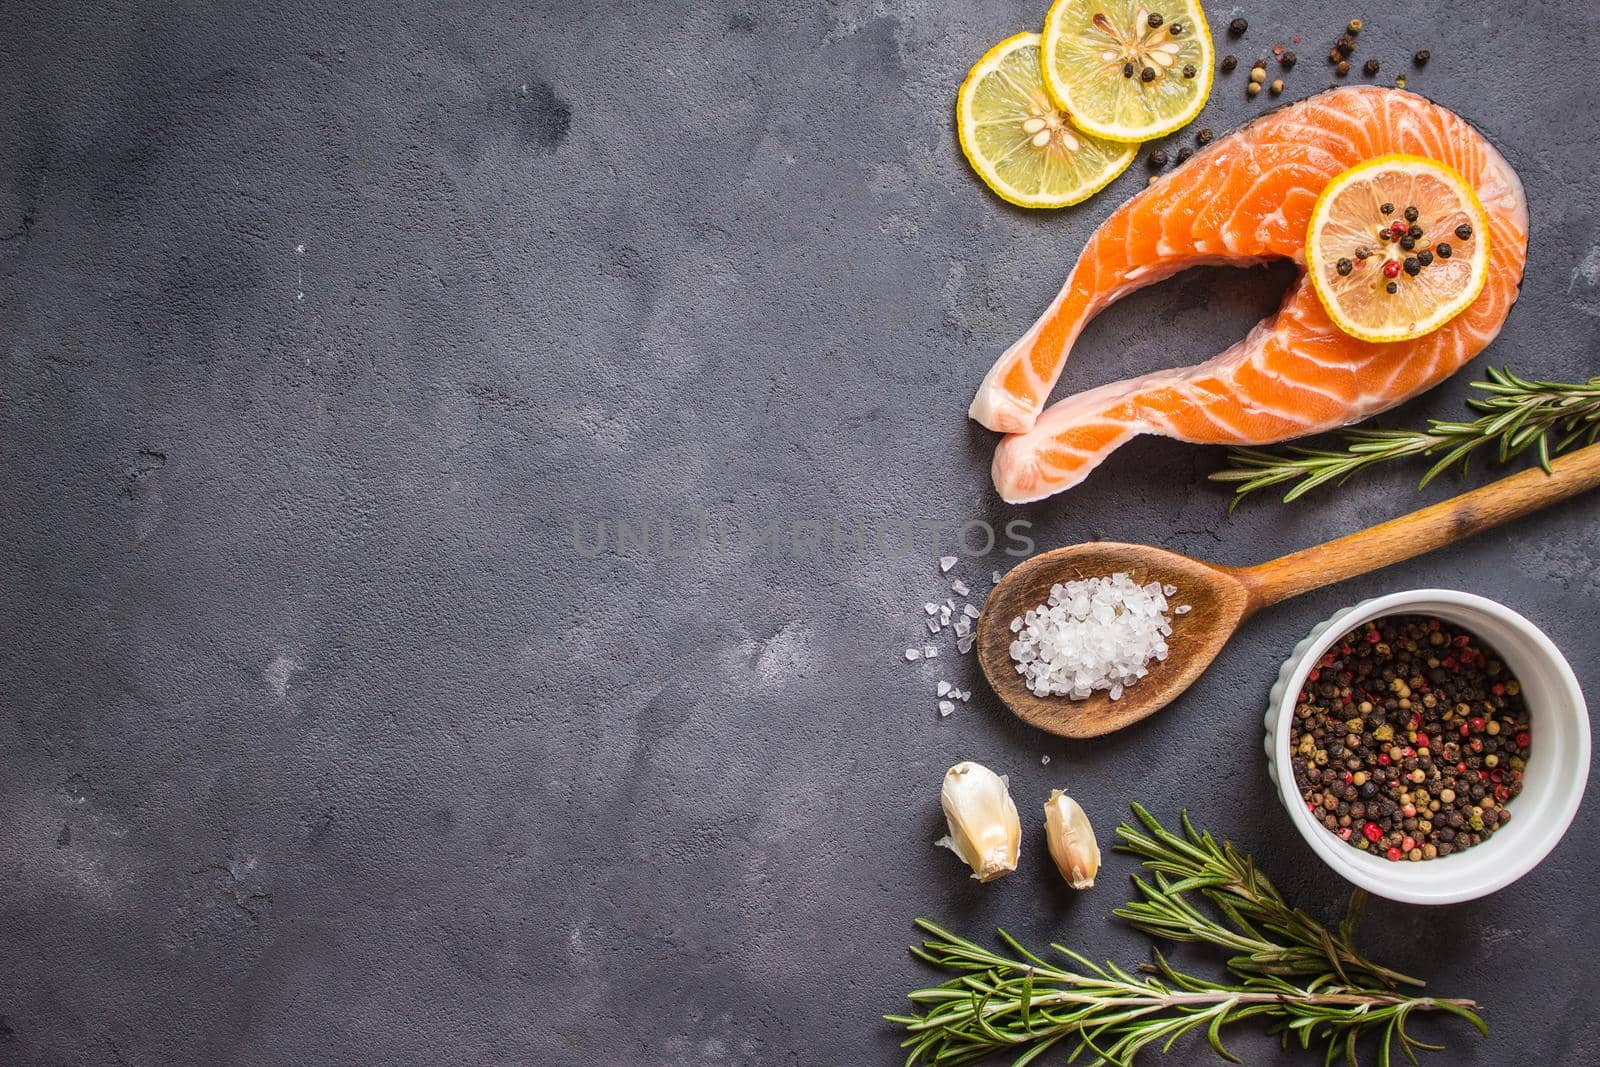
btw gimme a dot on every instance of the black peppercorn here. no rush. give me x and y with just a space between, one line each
1408 242
1204 136
1425 257
1176 29
1188 70
1343 68
1443 249
1464 232
1414 231
1345 44
1148 74
1237 27
1344 267
1412 267
1411 213
1422 57
1184 153
1127 70
1370 67
1387 209
1288 59
1154 20
1228 63
1158 159
1391 288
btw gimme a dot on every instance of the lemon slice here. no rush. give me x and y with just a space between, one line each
1021 144
1373 285
1128 70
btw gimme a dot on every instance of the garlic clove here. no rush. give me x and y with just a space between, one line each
984 828
1071 840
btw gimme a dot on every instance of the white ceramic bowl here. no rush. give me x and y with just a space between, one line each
1553 782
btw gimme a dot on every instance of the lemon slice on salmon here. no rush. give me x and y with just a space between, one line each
1128 70
1021 144
1397 247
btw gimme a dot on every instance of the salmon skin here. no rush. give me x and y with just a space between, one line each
1248 198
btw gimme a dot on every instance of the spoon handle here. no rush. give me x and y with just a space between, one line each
1421 531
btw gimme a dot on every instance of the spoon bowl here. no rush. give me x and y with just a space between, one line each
1221 597
1217 598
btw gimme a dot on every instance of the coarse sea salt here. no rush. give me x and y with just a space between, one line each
1091 634
945 563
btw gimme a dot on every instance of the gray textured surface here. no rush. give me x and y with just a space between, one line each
319 327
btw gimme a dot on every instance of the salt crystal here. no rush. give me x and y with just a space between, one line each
944 688
945 563
933 626
959 588
931 609
1183 609
994 576
1090 635
945 708
913 653
1170 590
930 652
1044 760
963 626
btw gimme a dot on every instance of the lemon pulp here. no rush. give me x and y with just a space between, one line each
1020 142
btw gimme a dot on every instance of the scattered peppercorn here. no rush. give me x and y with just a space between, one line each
1344 267
1188 70
1408 242
1370 67
1158 159
1400 743
1258 73
1425 257
1464 232
1345 45
1276 86
1252 89
1154 20
1400 81
1343 68
1413 266
1176 29
1148 74
1355 26
1288 59
1238 27
1422 57
1204 136
1391 288
1411 214
1228 63
1444 250
1184 153
1387 209
1127 70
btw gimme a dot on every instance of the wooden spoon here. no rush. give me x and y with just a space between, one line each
1223 597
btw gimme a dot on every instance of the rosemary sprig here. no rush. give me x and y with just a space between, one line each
1516 414
1308 983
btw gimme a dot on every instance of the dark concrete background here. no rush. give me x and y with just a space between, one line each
320 327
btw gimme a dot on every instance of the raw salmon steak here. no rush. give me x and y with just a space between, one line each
1245 199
